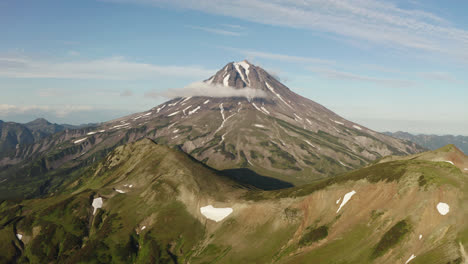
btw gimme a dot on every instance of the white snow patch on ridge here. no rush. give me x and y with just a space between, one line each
338 122
215 214
420 236
410 259
346 198
449 162
443 208
207 101
260 126
194 110
175 113
357 127
19 236
97 203
226 80
338 201
160 108
119 191
80 140
277 94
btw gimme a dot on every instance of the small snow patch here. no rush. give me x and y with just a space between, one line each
264 109
443 208
160 108
175 113
102 131
91 133
119 191
143 228
260 126
97 203
448 161
420 237
207 101
215 214
410 259
338 122
19 236
298 117
226 80
346 198
357 127
465 169
130 186
80 140
338 201
308 142
175 131
194 110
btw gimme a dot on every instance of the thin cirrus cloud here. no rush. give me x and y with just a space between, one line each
58 110
373 21
217 31
348 76
113 68
253 54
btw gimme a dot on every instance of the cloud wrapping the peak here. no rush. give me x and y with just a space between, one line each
208 90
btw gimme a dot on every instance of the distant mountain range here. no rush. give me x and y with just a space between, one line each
433 141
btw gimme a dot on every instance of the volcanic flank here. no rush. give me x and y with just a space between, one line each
271 131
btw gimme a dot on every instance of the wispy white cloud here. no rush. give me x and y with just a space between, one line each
210 90
342 75
113 68
216 31
58 110
371 21
253 54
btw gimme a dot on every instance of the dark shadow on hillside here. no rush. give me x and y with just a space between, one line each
249 177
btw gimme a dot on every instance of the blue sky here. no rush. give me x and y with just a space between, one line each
389 65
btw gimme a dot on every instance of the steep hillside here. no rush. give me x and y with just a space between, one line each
146 203
433 141
270 130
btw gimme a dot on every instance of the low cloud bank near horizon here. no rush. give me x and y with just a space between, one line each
208 90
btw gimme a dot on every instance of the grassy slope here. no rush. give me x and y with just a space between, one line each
298 225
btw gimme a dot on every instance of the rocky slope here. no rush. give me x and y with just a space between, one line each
146 203
433 141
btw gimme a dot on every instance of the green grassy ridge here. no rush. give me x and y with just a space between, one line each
387 172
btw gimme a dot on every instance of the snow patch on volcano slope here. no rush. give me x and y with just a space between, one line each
226 80
256 107
97 203
119 191
194 110
215 214
160 108
80 140
448 161
308 142
207 101
298 117
186 99
237 65
175 113
277 94
410 259
443 208
186 108
19 236
346 198
260 126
